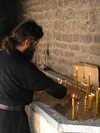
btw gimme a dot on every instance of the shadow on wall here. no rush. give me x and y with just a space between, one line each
8 17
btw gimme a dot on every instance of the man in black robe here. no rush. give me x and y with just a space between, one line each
19 78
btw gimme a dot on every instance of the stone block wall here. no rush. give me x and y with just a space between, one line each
71 32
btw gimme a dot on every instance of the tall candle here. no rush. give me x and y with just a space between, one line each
87 90
97 93
73 104
76 78
77 109
89 102
89 83
85 105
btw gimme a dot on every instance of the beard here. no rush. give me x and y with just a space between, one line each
28 53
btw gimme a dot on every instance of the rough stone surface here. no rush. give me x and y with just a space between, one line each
71 32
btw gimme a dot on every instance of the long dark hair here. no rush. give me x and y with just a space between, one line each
26 30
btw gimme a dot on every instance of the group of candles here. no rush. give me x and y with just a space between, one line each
90 101
88 96
62 81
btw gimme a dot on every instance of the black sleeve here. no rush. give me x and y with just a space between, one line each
36 80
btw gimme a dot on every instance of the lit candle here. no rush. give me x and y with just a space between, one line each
77 109
76 78
89 102
59 81
73 104
92 96
89 83
97 93
85 105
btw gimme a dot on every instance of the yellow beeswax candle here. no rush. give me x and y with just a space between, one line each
77 109
85 105
92 96
89 102
97 93
76 78
65 83
73 104
89 83
87 90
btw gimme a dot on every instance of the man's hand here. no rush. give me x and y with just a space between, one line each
73 93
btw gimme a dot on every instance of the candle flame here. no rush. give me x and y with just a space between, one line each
76 68
78 103
98 88
87 84
73 95
92 94
58 79
89 73
85 96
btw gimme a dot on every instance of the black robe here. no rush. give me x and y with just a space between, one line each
19 79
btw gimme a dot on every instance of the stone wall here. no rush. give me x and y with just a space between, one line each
71 32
